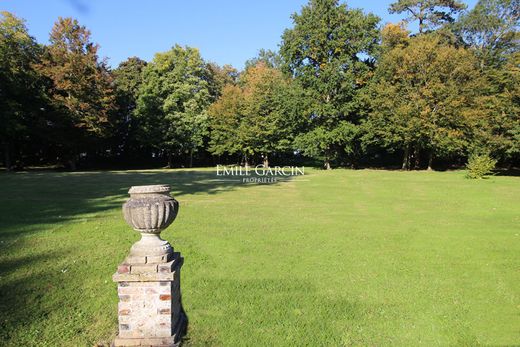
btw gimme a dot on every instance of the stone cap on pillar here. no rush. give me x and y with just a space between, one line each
148 272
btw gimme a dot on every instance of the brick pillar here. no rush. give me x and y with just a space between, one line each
150 311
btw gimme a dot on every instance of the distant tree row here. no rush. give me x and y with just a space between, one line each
342 91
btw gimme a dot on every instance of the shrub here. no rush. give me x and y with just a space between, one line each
480 165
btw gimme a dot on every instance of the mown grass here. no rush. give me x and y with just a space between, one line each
332 258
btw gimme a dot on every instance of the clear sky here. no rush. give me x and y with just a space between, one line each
225 31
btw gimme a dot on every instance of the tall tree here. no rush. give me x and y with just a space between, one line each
265 128
127 81
270 58
173 101
498 130
20 85
220 76
329 52
429 13
423 97
81 89
491 28
491 31
257 117
225 116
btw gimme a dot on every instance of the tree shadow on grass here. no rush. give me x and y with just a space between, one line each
509 172
31 199
34 290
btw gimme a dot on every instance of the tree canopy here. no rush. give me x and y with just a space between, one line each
329 52
172 102
340 91
21 97
429 14
422 98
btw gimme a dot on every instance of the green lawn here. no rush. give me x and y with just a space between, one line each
332 258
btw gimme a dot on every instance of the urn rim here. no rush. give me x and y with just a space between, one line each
148 189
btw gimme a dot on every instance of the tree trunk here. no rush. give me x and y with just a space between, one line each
191 158
246 161
73 158
327 164
266 161
417 158
72 164
7 156
406 158
170 160
430 160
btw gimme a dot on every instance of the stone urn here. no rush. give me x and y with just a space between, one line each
150 309
150 210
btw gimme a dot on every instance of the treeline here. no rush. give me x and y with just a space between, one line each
343 90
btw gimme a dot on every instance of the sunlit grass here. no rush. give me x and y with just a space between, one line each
331 258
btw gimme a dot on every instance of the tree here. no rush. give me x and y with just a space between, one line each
257 117
220 76
329 52
172 102
81 87
394 35
225 117
20 85
127 81
491 29
423 97
429 13
270 58
264 127
498 113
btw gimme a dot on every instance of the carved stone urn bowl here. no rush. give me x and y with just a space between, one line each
150 210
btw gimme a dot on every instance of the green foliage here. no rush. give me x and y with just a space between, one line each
329 52
491 29
219 77
172 103
80 90
429 13
340 90
81 84
498 112
256 117
21 92
423 96
323 144
128 78
480 166
270 58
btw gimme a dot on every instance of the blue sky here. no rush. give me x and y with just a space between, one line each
225 31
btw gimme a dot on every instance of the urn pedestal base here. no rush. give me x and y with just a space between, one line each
150 311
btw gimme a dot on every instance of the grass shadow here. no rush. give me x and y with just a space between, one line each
35 198
47 266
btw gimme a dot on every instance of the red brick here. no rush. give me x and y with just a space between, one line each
165 297
123 268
